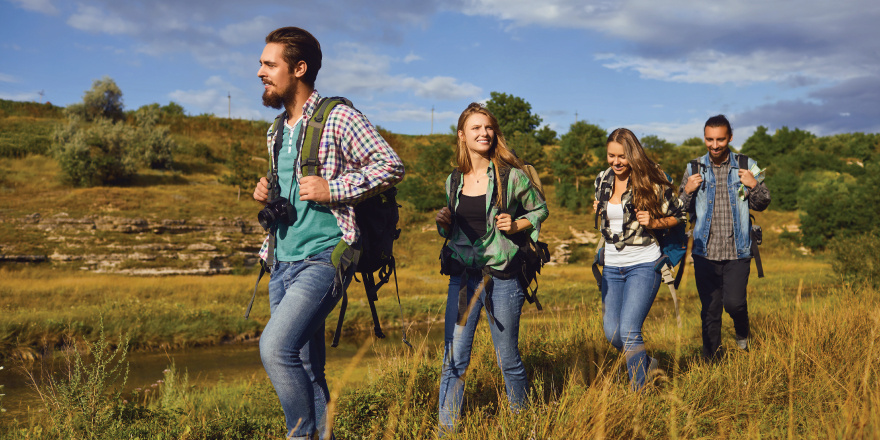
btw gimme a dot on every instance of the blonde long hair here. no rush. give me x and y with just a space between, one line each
499 153
644 173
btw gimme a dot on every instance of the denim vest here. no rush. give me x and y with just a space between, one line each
705 200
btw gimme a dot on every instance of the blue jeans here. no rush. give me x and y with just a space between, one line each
503 301
301 295
627 294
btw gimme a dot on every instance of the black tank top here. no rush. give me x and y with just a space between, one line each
471 216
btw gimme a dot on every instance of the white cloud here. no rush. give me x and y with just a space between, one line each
215 99
673 132
92 19
246 32
720 41
356 68
43 6
411 57
715 67
7 78
23 96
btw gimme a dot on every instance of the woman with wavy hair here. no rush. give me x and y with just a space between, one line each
483 224
634 197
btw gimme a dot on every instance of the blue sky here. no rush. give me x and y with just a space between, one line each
656 67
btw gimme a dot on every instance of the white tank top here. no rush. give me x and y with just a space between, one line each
630 255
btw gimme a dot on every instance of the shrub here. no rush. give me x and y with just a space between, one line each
857 259
83 402
96 154
424 183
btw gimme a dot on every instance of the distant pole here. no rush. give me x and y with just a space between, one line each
41 96
575 117
229 95
432 119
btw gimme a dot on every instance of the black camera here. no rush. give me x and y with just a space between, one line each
278 210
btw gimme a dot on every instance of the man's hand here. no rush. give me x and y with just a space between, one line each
444 218
261 192
693 183
315 189
747 178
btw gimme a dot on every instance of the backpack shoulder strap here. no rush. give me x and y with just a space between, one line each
314 130
503 186
454 181
743 161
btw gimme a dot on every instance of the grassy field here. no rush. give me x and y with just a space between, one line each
812 371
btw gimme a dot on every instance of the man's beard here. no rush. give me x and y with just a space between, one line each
276 101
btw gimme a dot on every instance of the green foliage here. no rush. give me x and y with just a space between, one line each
96 154
546 136
840 207
424 186
153 145
655 143
81 403
173 109
513 114
243 173
97 147
694 141
528 149
857 259
103 100
576 163
21 137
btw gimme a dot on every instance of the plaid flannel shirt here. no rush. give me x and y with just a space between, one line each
355 160
495 249
633 233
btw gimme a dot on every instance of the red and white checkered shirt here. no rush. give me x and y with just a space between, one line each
355 160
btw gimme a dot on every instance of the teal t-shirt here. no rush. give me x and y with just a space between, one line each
315 228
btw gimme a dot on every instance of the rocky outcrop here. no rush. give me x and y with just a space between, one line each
138 246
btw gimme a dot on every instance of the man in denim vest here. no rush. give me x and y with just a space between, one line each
355 163
722 240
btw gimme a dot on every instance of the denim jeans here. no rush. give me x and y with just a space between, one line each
627 294
301 295
503 301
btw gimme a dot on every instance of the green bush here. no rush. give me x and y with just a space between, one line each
857 259
424 186
96 154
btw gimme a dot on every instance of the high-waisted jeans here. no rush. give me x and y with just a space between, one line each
503 301
628 293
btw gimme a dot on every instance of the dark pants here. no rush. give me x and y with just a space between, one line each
722 285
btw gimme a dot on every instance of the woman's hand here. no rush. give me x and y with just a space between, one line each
444 218
505 224
595 205
644 218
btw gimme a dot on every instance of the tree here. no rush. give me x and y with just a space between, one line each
242 173
173 109
575 164
103 100
424 183
95 154
528 149
546 136
513 114
97 147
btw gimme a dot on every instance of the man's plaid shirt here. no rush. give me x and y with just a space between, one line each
355 160
633 233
